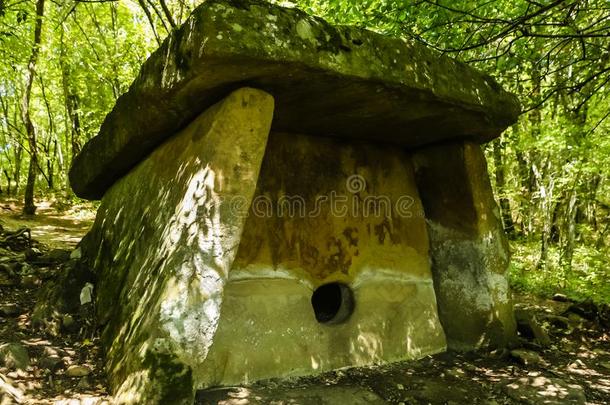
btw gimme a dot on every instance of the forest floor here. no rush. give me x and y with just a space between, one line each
564 353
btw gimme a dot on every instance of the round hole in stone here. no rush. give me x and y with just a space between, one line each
332 303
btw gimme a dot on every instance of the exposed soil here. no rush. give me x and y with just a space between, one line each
573 368
55 224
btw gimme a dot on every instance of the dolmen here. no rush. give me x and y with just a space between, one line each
282 197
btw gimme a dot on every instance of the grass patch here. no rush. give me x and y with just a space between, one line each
588 278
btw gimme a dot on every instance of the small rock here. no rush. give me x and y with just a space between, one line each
527 357
30 281
455 372
86 294
586 309
7 275
83 384
559 322
32 253
529 327
9 310
76 254
560 298
68 323
14 356
575 318
78 371
501 353
52 257
52 363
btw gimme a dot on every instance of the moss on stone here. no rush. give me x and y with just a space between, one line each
328 80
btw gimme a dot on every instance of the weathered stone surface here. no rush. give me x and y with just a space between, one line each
368 232
162 245
468 247
334 81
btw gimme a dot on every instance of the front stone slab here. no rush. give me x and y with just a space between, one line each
326 80
327 211
163 242
468 247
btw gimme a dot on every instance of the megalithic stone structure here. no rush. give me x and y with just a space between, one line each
283 197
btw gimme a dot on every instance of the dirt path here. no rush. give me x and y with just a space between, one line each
57 362
52 225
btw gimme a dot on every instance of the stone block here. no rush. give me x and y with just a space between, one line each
468 247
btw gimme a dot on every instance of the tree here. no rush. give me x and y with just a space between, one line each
29 208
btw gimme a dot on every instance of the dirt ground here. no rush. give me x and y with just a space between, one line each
54 225
65 363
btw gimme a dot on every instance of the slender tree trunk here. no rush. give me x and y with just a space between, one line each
150 20
570 220
28 207
159 15
8 181
72 104
546 210
523 202
50 147
505 211
167 13
17 170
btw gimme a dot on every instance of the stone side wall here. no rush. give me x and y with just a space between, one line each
164 240
373 239
468 248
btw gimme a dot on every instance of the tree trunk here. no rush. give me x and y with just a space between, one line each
168 14
150 20
72 104
568 248
505 211
28 204
8 182
17 169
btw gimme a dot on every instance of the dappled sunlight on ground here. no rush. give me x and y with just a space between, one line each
55 224
575 368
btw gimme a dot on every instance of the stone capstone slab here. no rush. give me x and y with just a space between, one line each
326 80
163 242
